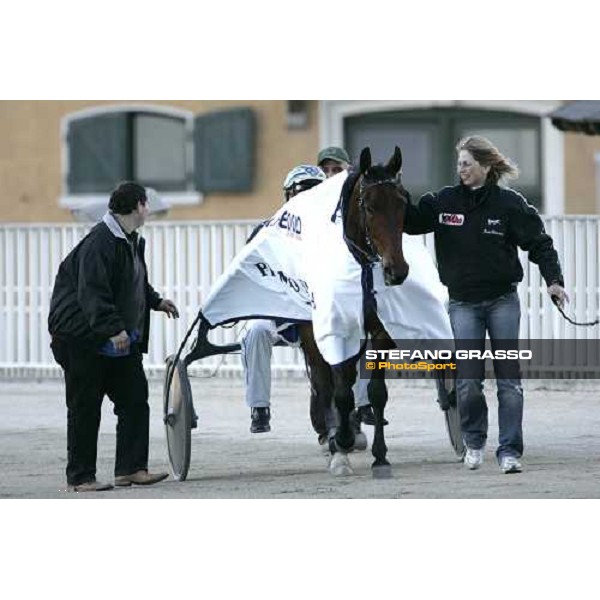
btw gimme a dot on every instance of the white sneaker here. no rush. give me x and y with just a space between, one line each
473 458
510 464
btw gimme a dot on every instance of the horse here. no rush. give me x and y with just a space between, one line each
373 220
373 210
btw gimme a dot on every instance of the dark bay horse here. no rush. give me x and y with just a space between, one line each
373 210
373 214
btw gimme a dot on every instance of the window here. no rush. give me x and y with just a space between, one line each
159 152
106 146
417 141
428 138
179 154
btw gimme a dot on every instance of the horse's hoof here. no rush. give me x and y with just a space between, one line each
382 471
360 441
324 445
340 465
332 447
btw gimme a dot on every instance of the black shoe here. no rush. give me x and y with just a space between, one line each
261 418
366 415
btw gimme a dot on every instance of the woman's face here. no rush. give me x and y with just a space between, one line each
471 173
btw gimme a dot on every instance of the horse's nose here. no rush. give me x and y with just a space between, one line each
395 276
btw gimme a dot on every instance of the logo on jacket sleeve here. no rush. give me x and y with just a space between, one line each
452 219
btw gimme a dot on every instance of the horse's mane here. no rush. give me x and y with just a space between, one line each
344 207
348 187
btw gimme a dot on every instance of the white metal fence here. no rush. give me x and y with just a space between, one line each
185 258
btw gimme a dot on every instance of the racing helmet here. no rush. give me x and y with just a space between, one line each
302 178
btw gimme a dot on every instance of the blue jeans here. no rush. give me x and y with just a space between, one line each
470 321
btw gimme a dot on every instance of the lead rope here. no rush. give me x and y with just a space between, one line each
555 300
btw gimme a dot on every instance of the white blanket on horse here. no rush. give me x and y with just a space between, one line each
298 268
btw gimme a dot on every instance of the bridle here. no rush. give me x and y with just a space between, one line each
370 255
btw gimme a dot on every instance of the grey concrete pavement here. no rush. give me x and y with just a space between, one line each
562 454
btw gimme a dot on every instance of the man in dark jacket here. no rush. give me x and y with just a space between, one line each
99 322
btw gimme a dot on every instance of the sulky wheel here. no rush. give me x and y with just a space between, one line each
452 419
178 414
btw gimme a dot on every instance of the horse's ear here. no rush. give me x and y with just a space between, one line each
365 160
395 163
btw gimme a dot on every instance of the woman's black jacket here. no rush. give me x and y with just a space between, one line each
476 238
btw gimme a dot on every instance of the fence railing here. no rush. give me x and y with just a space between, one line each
185 258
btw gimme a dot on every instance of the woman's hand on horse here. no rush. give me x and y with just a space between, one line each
168 306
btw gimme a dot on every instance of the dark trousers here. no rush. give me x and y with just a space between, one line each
88 378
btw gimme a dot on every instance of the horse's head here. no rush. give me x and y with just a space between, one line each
379 203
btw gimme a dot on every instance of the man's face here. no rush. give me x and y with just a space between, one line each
141 213
332 167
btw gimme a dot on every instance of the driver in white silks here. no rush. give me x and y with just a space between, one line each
263 334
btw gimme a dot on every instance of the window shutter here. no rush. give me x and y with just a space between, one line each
98 153
224 150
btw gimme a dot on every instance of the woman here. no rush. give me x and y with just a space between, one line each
478 226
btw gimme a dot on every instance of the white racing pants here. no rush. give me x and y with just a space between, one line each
257 350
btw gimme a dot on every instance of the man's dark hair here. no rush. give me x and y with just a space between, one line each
125 198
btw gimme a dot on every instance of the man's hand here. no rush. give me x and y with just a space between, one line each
558 291
120 341
167 306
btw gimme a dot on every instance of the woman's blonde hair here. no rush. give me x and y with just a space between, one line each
487 155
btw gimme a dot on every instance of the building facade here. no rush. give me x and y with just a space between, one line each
219 160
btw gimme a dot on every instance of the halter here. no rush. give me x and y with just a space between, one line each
371 255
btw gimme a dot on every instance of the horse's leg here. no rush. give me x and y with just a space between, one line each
344 376
322 414
378 396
